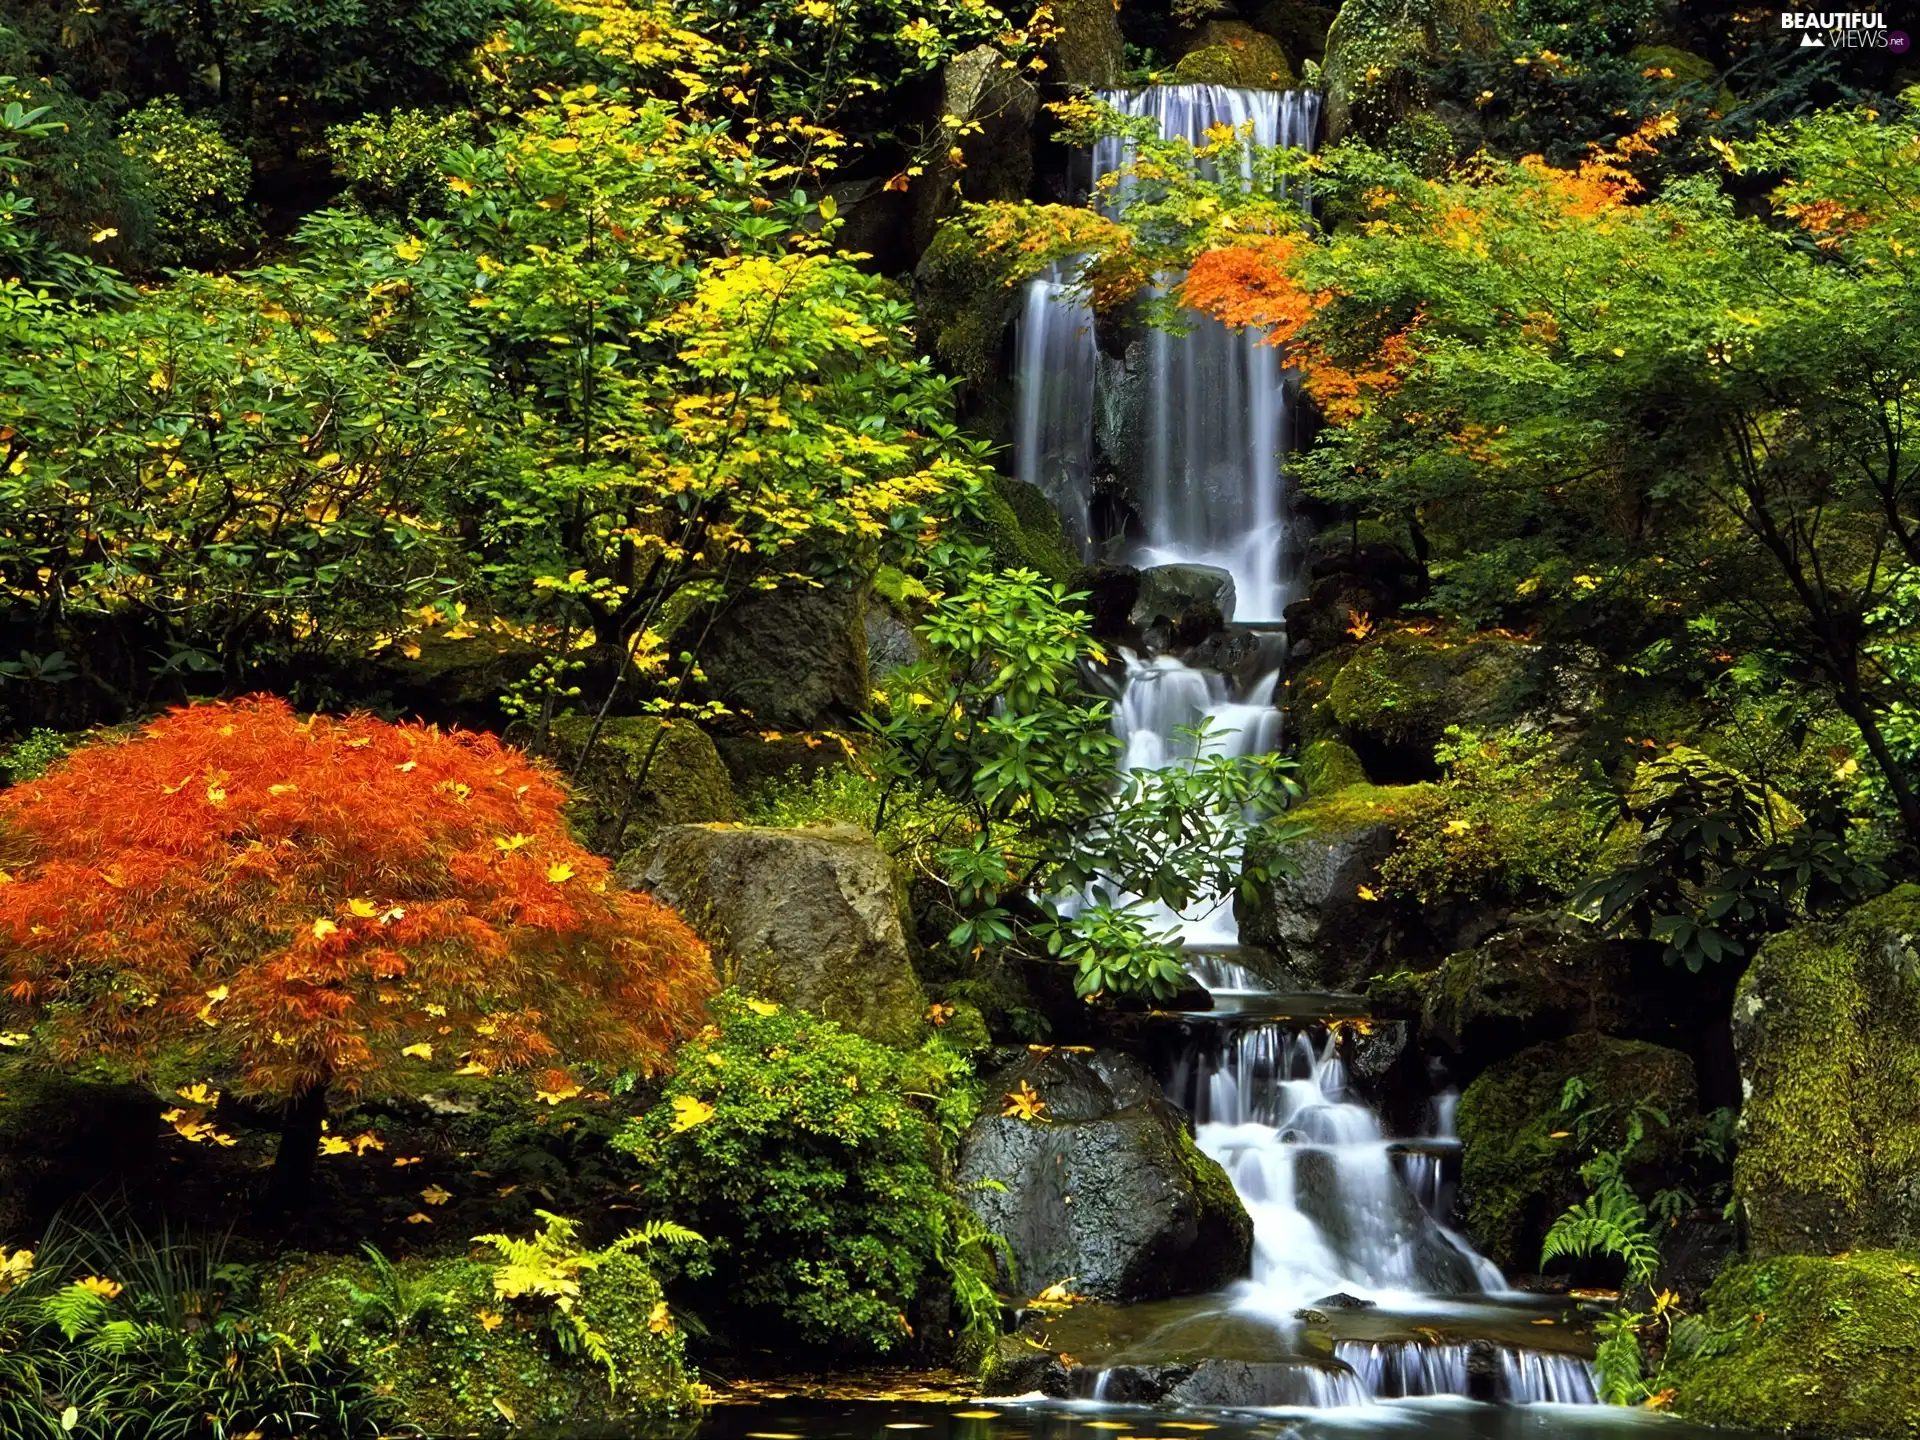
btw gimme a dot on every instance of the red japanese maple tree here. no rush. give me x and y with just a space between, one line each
314 903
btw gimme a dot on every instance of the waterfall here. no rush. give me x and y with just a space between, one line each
1053 438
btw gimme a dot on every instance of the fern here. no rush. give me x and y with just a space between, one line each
660 1232
401 1303
73 1310
1611 1221
1619 1366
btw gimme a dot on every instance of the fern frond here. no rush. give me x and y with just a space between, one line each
656 1232
1609 1222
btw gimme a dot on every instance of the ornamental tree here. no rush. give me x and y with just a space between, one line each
307 904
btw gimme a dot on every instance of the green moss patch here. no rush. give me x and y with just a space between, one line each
1816 1345
1827 1021
682 779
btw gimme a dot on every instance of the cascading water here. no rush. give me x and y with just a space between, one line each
1347 1220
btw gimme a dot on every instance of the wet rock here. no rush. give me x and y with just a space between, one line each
1187 602
1132 1384
1340 1300
996 106
1106 1187
891 643
807 917
1020 1367
1233 1384
793 658
1827 1027
1397 694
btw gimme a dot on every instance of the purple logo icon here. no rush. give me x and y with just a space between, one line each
1897 42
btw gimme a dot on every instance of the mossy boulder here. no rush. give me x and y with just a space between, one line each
1231 52
1325 919
1543 977
1827 1026
1105 1187
1022 529
1520 1162
1378 50
808 917
1329 765
962 305
681 780
1825 1346
62 1135
470 1362
1299 26
996 106
1396 695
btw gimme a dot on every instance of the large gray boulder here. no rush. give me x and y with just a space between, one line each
1321 919
1188 601
1105 1187
807 917
794 658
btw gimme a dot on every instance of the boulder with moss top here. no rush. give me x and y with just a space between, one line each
1827 1026
1395 696
1521 1156
1378 52
1087 50
1816 1345
809 917
1232 52
792 658
1100 1183
1326 919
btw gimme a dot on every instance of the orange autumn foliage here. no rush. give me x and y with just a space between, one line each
305 903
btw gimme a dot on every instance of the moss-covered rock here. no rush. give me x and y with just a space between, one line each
1400 690
1329 765
1088 49
1022 529
468 1362
962 304
1324 919
61 1134
1231 52
794 658
1827 1025
1300 27
1520 1162
681 779
1543 977
1818 1345
1377 50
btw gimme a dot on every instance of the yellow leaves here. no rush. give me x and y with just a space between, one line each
198 1094
320 335
565 145
362 909
1056 1297
660 1319
557 1094
763 1007
366 1140
1366 892
490 1320
13 1039
410 249
324 927
102 235
421 1051
559 873
15 1266
216 795
1458 827
1024 1103
159 380
281 789
474 1067
335 1145
434 1195
419 1217
217 995
99 1285
939 1013
193 1127
689 1111
461 185
400 1162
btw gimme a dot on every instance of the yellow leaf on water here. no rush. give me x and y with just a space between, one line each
688 1111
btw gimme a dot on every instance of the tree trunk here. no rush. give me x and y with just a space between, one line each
290 1186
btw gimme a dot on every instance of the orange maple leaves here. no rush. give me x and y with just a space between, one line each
308 902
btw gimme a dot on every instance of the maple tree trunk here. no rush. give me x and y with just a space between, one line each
289 1185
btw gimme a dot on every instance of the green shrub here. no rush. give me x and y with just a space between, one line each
393 164
812 1162
195 181
29 757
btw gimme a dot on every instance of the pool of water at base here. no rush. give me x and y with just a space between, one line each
1445 1419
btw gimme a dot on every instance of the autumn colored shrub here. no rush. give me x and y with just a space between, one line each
303 904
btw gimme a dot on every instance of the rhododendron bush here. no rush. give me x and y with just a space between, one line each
311 903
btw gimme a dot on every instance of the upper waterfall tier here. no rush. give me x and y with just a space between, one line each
1197 422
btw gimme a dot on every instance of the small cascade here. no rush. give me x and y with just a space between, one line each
1530 1377
1406 1369
1053 438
